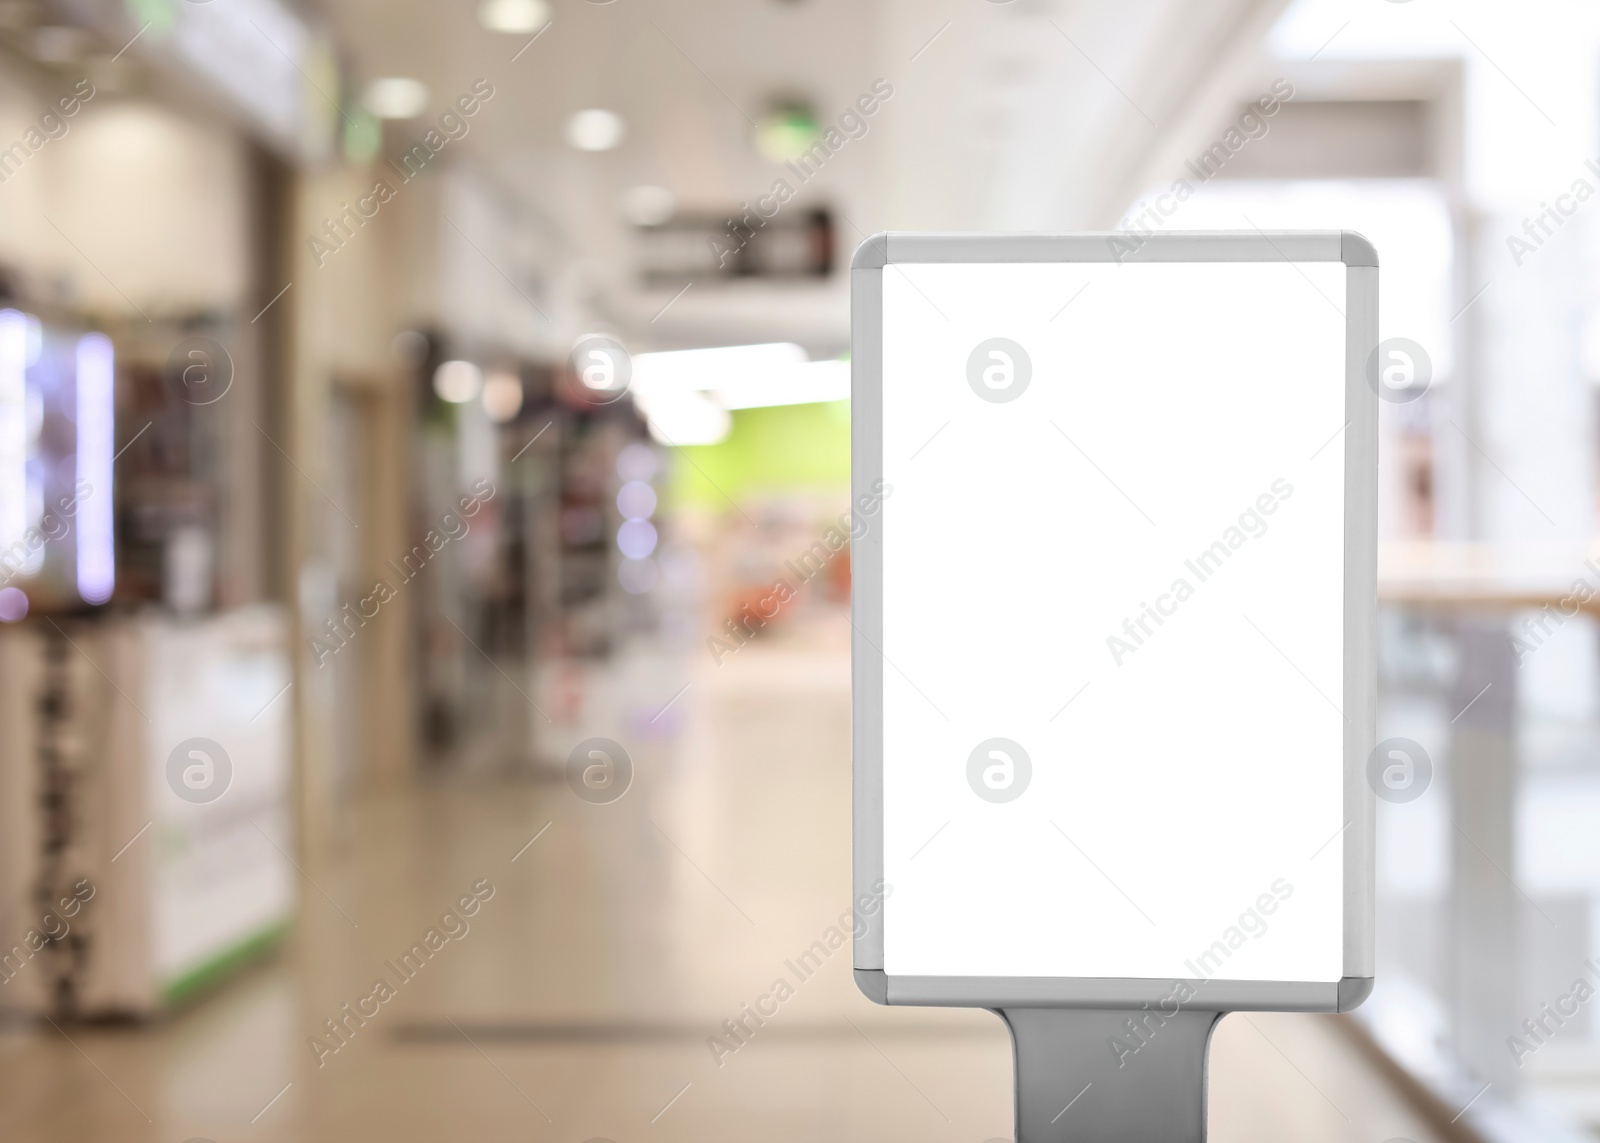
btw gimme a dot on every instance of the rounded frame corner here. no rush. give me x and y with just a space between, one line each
873 253
1353 991
1357 249
873 984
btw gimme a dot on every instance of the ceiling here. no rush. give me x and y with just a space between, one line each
1021 115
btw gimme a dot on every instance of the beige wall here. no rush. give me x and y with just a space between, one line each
166 233
344 314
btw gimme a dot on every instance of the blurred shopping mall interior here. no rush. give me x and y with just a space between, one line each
407 408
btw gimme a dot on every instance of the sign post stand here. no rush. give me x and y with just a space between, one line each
1114 666
1061 1055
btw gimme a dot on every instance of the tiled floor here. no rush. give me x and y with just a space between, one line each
579 1003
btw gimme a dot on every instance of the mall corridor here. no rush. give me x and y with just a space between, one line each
445 489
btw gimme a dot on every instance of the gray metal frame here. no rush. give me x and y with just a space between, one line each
1360 606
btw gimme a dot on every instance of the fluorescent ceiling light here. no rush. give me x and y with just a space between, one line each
514 17
686 419
702 369
595 129
396 97
691 390
802 384
744 376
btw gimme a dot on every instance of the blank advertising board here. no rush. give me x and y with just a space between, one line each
1114 611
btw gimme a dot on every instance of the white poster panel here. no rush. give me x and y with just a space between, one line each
1110 595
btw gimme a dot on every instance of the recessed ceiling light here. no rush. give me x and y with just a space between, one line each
648 205
396 97
595 129
514 17
457 381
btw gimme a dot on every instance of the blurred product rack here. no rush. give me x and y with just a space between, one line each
531 595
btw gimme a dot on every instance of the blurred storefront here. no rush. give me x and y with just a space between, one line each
159 374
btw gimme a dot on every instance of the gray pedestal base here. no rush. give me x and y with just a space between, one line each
1093 1077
